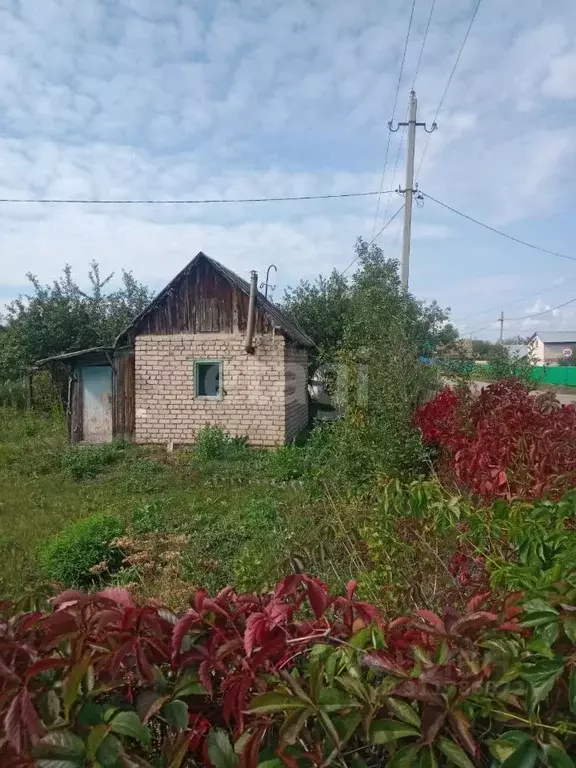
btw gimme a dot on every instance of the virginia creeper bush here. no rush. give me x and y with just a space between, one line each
293 678
505 443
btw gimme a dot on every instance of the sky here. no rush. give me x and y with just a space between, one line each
253 98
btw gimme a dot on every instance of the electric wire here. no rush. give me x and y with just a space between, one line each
355 259
410 20
498 231
207 201
515 301
449 82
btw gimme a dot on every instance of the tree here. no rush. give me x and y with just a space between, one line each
385 333
325 307
320 309
61 317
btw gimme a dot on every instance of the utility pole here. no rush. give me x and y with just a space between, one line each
409 189
501 321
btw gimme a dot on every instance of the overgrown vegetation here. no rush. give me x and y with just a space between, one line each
292 678
504 443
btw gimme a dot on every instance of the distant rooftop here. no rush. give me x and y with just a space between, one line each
556 337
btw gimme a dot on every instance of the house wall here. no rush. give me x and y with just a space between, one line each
295 390
553 351
254 393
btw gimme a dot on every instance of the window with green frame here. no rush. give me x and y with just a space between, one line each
208 379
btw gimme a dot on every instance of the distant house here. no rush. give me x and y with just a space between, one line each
548 346
210 349
519 351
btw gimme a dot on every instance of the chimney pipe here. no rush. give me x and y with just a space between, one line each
249 346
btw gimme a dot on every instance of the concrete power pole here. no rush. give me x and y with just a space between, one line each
409 189
501 321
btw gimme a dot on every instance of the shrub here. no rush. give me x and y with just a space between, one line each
505 443
213 443
85 461
292 678
69 557
287 463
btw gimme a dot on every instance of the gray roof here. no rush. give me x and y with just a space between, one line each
556 337
518 350
78 353
281 320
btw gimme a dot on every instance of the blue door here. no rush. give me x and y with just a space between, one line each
97 403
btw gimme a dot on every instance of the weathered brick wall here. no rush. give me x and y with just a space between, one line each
254 397
296 391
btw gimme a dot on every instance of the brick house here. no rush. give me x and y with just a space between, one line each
209 349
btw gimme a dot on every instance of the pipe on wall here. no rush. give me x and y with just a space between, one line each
249 345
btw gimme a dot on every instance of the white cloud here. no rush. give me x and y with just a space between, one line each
137 98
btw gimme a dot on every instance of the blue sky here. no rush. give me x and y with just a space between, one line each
140 98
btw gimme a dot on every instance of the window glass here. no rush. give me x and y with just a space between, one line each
208 375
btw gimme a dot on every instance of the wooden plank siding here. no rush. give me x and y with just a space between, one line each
202 301
124 414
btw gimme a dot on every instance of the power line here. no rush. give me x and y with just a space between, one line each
502 319
499 232
208 201
417 70
516 301
393 114
450 78
546 311
355 259
423 45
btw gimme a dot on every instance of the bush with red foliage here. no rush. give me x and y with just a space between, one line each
293 678
505 443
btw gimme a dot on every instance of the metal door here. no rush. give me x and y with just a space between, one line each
97 403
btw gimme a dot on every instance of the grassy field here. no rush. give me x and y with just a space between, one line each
244 519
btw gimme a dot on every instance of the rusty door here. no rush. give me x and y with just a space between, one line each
97 401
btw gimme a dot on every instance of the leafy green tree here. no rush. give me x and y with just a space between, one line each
61 317
385 333
320 309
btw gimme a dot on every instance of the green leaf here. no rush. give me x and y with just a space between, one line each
220 749
572 691
274 763
549 632
293 724
508 743
570 628
454 753
525 756
95 738
428 758
90 714
404 757
275 702
331 700
71 685
403 710
537 604
538 618
385 731
193 688
346 725
556 758
541 678
176 713
362 638
128 724
109 752
60 749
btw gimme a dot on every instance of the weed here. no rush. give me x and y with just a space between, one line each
213 442
147 518
85 461
70 557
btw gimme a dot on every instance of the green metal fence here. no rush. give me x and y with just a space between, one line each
562 375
